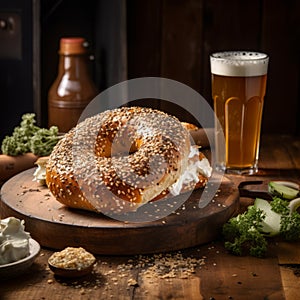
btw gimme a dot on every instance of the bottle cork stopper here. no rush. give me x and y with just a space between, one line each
72 45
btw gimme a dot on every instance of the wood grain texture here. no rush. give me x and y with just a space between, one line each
228 25
289 261
181 43
220 276
57 226
280 36
217 275
144 38
174 39
291 282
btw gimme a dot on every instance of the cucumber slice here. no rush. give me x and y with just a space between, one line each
281 190
289 184
271 223
294 204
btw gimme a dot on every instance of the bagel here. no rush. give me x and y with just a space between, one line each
120 159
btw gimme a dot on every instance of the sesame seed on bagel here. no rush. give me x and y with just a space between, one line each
118 160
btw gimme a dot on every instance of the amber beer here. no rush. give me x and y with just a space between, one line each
238 90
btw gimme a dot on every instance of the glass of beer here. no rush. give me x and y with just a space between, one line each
238 89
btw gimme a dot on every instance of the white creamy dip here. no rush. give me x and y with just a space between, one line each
40 174
190 175
14 241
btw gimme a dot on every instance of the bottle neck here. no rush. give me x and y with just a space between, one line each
73 65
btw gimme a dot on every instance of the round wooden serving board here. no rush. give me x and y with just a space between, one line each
55 226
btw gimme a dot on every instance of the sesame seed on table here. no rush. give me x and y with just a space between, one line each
205 271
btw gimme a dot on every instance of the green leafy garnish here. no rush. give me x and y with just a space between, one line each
243 233
27 137
290 218
247 233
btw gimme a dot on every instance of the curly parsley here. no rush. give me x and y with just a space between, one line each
27 137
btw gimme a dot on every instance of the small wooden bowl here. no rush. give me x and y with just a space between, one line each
70 273
71 262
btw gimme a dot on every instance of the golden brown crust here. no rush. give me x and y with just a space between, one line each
42 161
131 144
68 192
189 126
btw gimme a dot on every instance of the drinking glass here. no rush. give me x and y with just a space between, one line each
238 89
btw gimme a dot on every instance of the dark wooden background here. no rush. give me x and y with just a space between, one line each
171 39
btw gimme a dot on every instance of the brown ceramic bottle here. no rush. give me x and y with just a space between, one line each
73 88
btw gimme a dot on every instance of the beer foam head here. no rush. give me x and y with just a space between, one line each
239 63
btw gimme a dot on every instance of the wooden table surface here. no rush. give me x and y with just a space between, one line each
203 272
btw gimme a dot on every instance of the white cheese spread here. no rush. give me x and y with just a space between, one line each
190 175
40 175
40 172
14 241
